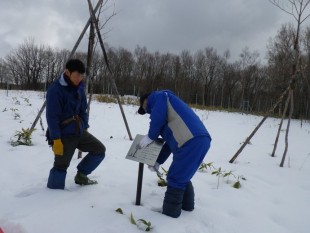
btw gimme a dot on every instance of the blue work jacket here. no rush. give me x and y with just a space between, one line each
65 101
172 119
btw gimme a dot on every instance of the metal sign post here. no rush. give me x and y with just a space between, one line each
147 155
139 184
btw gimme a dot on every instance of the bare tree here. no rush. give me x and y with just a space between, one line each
248 63
280 56
209 73
296 8
2 71
26 64
186 73
139 68
199 74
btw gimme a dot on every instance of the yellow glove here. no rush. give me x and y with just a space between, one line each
58 147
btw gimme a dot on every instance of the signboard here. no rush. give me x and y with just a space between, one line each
147 155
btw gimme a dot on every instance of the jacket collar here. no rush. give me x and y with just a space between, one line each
62 81
65 81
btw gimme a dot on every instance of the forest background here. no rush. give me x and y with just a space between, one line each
251 83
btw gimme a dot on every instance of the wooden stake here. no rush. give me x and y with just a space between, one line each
288 127
280 126
258 126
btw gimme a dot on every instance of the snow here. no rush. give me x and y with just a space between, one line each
271 199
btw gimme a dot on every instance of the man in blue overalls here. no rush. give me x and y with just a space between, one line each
185 136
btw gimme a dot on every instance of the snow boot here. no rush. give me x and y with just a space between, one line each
173 202
82 179
188 203
56 179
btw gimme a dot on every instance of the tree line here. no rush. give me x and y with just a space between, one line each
203 77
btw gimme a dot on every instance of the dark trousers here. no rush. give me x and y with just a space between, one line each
85 142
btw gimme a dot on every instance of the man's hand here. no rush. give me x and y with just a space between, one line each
145 141
58 147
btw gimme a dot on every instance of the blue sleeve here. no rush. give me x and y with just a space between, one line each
158 106
83 111
53 111
164 154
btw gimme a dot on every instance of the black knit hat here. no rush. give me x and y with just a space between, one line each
76 65
141 110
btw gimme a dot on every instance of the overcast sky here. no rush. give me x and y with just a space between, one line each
159 25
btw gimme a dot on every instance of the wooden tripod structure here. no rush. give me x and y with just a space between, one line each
92 20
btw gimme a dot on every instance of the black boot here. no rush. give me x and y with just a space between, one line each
82 179
173 202
188 203
56 179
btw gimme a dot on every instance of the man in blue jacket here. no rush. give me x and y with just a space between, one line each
185 136
67 119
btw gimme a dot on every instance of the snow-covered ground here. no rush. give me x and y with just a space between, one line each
271 199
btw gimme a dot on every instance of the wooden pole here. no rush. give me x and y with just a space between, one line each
109 69
89 62
288 127
116 94
280 126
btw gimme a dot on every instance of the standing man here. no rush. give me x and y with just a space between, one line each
67 119
185 136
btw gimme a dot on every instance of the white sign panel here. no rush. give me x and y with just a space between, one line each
147 155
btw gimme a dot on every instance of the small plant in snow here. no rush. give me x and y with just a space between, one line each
237 184
119 210
219 173
204 167
16 116
4 110
140 223
27 101
15 113
228 174
16 101
13 110
23 137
